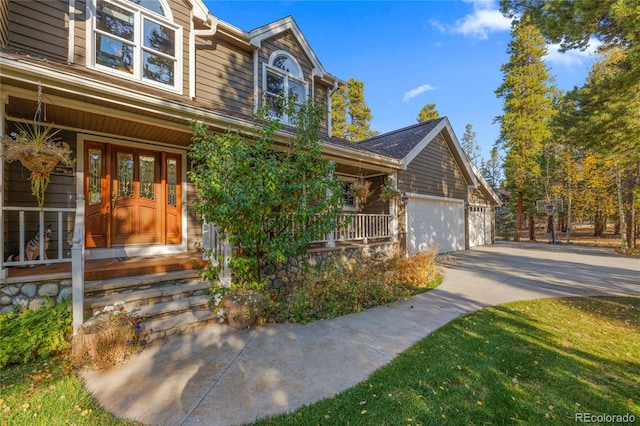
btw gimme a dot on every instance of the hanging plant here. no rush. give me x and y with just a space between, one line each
360 190
388 191
36 148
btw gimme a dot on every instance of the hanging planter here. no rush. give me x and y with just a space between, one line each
36 147
388 192
360 190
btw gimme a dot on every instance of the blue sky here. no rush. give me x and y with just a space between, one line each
410 53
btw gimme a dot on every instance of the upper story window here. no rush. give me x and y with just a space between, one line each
137 39
283 79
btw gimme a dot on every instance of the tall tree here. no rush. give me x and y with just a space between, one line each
603 117
470 145
350 113
490 169
427 113
528 107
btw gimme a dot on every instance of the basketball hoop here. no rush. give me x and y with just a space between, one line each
549 209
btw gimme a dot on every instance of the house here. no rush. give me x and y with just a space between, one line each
121 80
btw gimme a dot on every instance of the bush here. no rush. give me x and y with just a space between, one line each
335 290
31 334
107 339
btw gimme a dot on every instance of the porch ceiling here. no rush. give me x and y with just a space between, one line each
117 123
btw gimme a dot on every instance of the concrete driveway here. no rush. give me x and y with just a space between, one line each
220 376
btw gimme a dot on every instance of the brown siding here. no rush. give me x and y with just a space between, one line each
224 76
287 42
4 22
80 36
374 205
39 27
477 197
434 172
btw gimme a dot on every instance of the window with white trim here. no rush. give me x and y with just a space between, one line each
137 39
350 202
282 79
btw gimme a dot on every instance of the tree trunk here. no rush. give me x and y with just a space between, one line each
532 228
599 224
623 222
518 225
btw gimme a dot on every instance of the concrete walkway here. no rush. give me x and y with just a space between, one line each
220 376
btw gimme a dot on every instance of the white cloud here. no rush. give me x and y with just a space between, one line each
415 92
572 57
485 19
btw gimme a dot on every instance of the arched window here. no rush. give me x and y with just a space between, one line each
283 79
137 39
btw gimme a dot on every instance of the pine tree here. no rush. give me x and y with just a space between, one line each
428 113
490 169
528 108
470 146
350 114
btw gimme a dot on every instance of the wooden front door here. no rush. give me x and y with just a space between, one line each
132 196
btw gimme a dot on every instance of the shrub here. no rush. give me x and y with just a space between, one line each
34 334
334 290
107 339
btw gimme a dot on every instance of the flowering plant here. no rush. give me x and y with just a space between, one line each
237 303
108 337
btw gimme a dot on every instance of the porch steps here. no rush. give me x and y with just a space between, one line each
166 303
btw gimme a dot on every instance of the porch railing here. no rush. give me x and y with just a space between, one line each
361 227
62 231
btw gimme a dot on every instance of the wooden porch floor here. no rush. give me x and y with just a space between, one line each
103 269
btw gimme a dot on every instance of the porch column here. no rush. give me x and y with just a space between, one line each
394 210
77 248
3 100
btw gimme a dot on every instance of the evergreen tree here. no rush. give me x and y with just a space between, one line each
528 108
350 114
490 169
427 113
470 146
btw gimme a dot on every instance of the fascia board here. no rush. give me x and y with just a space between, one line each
387 163
262 33
466 163
200 10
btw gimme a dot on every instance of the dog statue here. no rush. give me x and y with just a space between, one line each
32 248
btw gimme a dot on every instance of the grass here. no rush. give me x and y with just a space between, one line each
47 392
533 362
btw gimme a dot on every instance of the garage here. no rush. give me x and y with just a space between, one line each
434 220
480 221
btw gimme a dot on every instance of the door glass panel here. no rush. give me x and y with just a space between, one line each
125 175
147 176
172 182
95 175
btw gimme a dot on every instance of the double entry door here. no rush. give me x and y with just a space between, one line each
132 196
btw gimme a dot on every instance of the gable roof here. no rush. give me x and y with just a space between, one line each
405 144
264 32
399 143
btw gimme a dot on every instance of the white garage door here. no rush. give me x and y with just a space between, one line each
435 221
479 226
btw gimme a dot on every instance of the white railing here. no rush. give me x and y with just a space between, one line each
64 219
364 227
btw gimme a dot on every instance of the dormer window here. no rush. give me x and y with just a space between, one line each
283 79
137 39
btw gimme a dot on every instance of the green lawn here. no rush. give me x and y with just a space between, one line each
527 363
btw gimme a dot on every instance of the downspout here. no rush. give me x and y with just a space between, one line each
329 122
210 32
72 31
